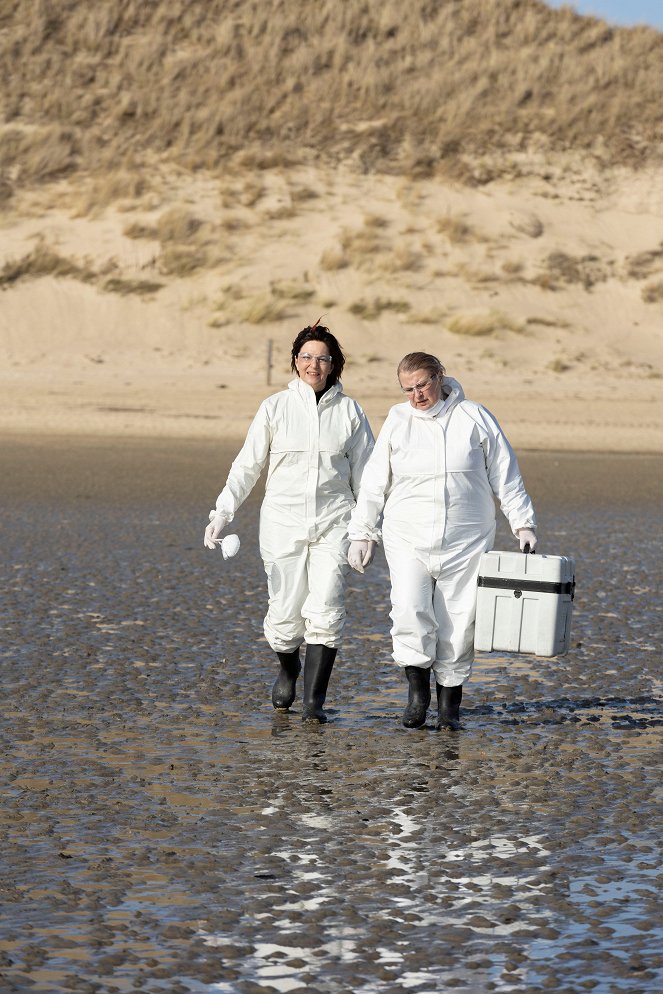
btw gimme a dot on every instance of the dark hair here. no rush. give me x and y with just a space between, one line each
420 360
318 333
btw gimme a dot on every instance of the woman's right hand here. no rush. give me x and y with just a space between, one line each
360 553
217 523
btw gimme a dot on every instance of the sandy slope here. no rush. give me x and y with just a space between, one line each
574 359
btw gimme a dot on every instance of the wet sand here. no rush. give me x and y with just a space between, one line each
117 469
164 830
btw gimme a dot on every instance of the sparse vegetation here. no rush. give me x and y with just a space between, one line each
375 222
512 268
300 194
333 258
653 293
294 292
186 241
178 224
480 323
137 229
643 265
433 316
561 268
182 260
261 308
142 288
232 222
44 261
558 365
109 188
360 244
475 276
455 228
548 322
6 190
252 191
360 247
370 310
403 257
284 212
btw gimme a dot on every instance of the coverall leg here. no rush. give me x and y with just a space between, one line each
327 568
414 628
306 584
287 586
454 606
433 612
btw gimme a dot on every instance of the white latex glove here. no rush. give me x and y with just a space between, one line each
526 535
216 525
360 553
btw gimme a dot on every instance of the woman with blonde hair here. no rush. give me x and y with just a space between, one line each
438 463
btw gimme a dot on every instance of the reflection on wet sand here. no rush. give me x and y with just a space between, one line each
164 830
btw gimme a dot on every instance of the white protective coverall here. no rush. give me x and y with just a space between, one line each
433 474
317 453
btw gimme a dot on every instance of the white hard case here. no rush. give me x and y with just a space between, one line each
524 603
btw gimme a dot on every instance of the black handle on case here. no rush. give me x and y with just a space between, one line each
528 551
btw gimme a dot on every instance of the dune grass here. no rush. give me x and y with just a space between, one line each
125 286
44 260
560 268
261 308
644 264
371 310
652 293
476 324
434 315
456 229
112 88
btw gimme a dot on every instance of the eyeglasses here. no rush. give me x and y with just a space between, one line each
418 387
324 360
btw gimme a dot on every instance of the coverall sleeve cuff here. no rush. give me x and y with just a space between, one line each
523 524
226 512
374 535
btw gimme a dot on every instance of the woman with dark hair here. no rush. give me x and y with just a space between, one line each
317 442
438 465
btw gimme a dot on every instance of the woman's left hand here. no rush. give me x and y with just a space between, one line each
360 553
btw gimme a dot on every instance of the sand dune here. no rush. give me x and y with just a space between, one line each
542 295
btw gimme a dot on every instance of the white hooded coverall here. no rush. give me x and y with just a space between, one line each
317 453
433 475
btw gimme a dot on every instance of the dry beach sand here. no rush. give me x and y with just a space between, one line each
542 296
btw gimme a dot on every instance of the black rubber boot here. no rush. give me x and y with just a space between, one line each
418 698
448 707
318 665
285 685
